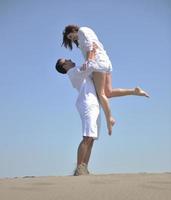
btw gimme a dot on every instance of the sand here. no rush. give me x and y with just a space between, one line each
141 186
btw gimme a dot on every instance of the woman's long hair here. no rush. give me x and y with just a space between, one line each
67 42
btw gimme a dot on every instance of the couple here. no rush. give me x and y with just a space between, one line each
93 81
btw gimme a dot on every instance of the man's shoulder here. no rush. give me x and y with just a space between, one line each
73 70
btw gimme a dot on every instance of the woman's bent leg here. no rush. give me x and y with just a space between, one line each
111 92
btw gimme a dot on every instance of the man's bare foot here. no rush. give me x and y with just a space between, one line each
139 92
110 124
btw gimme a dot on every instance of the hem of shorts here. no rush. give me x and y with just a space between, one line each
103 71
94 137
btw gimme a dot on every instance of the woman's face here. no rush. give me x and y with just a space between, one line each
72 36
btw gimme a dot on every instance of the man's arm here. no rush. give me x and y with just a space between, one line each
90 64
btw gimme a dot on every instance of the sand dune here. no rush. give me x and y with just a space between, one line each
94 187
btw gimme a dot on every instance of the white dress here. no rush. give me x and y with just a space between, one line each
87 103
86 38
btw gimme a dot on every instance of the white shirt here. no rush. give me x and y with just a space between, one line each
82 81
86 37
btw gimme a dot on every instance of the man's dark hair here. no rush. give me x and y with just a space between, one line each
67 42
59 67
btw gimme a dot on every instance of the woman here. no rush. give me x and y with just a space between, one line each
92 48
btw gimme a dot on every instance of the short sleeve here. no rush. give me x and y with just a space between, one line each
86 72
76 75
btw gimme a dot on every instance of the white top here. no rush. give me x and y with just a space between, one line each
82 81
86 37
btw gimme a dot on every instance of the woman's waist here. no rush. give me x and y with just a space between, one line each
102 58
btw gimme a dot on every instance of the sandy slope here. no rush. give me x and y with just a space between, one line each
94 187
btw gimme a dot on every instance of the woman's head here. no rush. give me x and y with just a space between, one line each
70 35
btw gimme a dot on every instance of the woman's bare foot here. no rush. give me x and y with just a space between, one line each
110 124
139 92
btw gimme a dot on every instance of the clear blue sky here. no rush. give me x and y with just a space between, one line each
40 128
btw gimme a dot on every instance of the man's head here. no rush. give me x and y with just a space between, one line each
63 65
70 35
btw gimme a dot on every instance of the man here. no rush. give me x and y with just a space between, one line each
87 105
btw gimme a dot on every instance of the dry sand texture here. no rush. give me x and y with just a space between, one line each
94 187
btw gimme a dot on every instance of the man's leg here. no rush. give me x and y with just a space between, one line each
83 155
87 157
84 150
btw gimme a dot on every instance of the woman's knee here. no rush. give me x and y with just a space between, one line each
108 92
108 85
102 97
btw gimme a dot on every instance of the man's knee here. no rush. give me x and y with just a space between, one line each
88 140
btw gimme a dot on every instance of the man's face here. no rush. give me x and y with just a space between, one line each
67 64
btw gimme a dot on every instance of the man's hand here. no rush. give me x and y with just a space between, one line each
84 67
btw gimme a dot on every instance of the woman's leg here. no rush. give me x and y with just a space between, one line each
111 92
99 82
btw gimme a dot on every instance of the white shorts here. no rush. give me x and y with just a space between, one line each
104 67
101 66
90 121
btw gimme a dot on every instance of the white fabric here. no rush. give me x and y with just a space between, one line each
87 103
86 37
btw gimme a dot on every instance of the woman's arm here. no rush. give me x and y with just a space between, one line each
91 54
